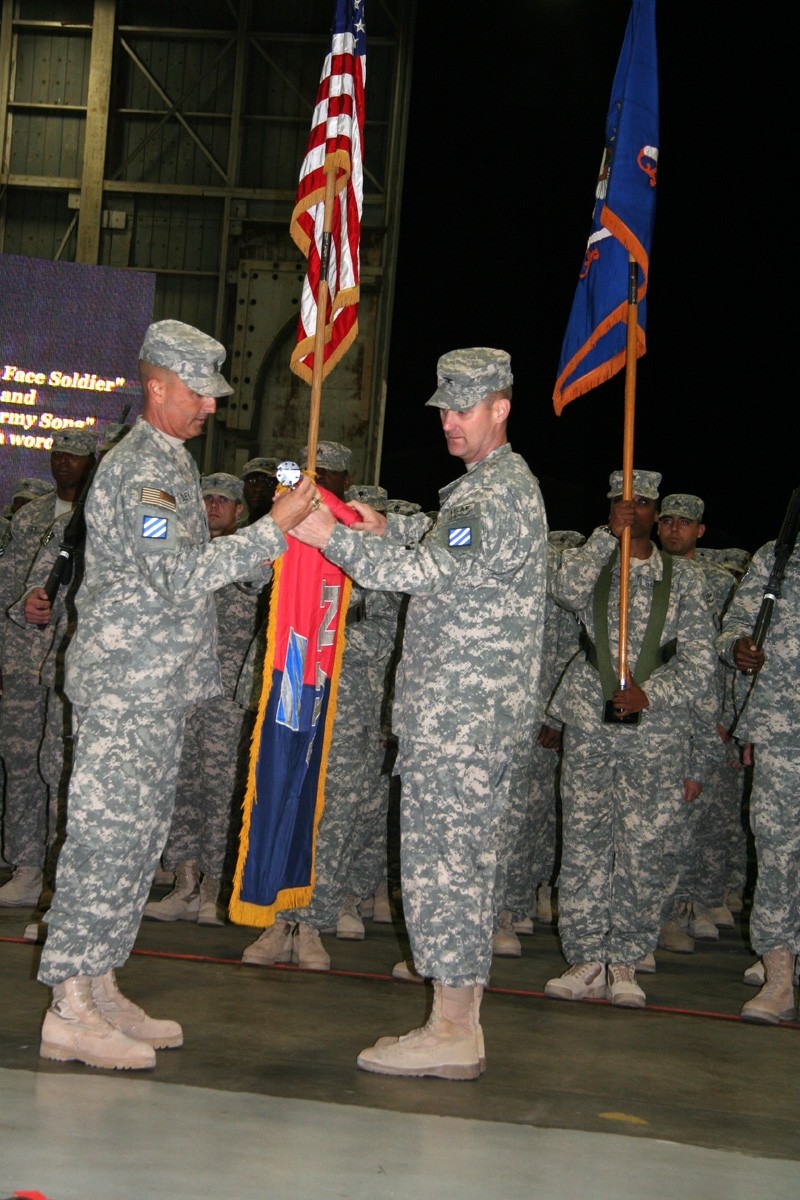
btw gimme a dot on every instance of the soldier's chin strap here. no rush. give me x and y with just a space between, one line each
784 547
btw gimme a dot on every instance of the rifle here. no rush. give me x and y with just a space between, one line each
784 546
783 552
75 529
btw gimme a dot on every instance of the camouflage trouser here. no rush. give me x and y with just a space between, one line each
345 789
775 821
453 799
621 796
719 844
22 718
369 838
121 795
211 782
529 845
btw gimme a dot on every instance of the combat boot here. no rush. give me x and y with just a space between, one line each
131 1020
775 1001
722 916
381 906
208 912
23 888
448 1046
674 934
274 945
623 990
349 924
75 1030
505 943
307 949
544 904
582 981
701 924
436 1014
406 972
183 902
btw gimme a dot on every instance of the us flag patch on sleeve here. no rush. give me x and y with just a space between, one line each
154 527
158 498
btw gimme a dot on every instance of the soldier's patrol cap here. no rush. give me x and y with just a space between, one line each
82 442
192 355
333 456
222 484
31 489
566 539
681 504
465 377
260 466
406 508
645 483
735 559
376 497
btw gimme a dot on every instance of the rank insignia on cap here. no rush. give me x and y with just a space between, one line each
158 498
460 536
154 527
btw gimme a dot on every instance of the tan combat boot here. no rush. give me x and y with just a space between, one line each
674 934
22 889
381 905
208 912
131 1020
505 943
448 1046
775 1001
75 1030
349 924
183 902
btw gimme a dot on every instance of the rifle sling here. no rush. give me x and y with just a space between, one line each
651 653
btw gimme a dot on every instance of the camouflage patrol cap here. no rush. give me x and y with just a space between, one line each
31 489
222 484
465 377
82 442
192 355
375 497
406 508
333 456
565 539
645 483
260 466
682 504
735 559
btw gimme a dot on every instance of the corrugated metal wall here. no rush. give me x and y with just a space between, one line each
205 112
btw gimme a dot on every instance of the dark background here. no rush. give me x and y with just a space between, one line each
506 133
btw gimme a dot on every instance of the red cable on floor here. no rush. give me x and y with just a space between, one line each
498 991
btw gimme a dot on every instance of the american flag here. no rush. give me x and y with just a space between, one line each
336 142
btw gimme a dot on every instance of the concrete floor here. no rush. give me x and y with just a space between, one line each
678 1101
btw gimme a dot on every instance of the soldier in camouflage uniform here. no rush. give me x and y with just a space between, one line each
622 784
32 672
713 784
259 480
464 690
216 738
144 651
769 716
527 866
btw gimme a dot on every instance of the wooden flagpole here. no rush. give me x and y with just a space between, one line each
319 330
627 467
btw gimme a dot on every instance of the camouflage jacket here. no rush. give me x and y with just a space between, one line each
30 553
772 712
578 700
147 629
477 582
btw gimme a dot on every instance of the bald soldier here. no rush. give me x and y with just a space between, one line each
465 686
